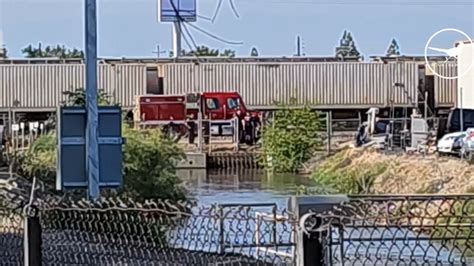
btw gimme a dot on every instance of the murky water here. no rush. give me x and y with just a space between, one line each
245 186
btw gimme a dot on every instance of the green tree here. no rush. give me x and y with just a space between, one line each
290 138
347 47
206 51
51 51
393 48
78 97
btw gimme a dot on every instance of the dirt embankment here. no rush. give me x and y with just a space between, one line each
401 173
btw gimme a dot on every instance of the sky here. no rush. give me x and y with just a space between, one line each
129 28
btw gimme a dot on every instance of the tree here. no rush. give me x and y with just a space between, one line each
291 137
228 53
206 51
393 48
254 52
3 52
51 51
347 47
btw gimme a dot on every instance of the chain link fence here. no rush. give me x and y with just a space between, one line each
116 231
397 230
363 230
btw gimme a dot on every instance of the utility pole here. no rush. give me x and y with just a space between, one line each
158 51
298 46
177 39
92 127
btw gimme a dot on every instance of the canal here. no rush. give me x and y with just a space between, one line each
241 186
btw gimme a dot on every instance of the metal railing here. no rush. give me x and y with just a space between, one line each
393 230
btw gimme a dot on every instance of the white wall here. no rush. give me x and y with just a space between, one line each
466 82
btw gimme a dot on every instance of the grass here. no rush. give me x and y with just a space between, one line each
339 173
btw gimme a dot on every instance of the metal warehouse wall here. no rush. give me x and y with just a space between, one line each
324 84
445 89
41 86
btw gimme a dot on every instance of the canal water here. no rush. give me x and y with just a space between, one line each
241 186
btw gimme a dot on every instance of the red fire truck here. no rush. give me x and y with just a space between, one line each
217 108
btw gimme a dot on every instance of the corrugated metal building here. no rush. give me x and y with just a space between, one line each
328 85
334 85
445 90
41 87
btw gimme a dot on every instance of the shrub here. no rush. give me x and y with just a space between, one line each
148 164
290 138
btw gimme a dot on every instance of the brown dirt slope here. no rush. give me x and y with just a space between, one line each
407 174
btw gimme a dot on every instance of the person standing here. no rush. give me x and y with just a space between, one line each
248 129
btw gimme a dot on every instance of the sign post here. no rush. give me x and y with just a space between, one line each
92 146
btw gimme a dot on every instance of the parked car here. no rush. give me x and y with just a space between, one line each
459 143
467 149
454 120
446 143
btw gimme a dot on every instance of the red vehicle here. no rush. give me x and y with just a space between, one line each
218 107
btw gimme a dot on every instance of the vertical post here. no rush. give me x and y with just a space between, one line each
360 119
221 230
176 39
298 46
328 130
22 128
426 104
32 241
461 115
199 114
92 151
209 133
9 124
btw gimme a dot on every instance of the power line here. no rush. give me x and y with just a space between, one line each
214 36
219 4
234 9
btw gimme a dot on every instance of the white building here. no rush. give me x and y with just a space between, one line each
465 98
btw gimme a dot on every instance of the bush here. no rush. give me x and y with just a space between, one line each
148 164
290 138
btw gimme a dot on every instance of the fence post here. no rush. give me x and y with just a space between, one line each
32 238
309 245
329 130
221 230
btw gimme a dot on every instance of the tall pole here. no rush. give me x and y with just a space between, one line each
92 150
461 115
177 39
298 46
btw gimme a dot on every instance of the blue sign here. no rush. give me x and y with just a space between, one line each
72 172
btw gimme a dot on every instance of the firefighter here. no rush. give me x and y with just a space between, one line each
240 125
191 128
248 129
206 129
